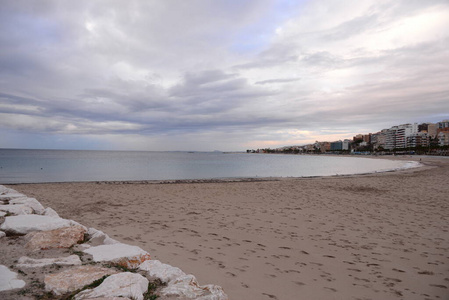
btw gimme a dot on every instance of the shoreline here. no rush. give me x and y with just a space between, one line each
373 236
249 179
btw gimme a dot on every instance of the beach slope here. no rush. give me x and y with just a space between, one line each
377 236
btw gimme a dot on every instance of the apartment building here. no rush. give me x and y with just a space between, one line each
390 138
419 139
443 124
432 130
396 136
335 146
443 138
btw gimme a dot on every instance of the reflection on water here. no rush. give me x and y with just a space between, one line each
33 166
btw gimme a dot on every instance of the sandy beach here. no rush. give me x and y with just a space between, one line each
376 236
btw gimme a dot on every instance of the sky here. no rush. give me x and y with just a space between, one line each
229 75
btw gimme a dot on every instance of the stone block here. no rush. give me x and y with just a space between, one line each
28 223
64 237
120 254
28 262
50 212
11 195
187 287
31 202
8 279
164 272
18 209
73 279
97 238
125 284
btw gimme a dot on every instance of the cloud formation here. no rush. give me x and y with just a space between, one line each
205 75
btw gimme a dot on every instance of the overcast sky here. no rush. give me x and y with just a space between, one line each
217 74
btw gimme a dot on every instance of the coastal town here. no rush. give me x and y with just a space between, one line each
424 138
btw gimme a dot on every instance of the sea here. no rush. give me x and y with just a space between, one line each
42 166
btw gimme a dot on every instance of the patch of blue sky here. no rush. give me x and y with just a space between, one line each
36 29
18 139
257 36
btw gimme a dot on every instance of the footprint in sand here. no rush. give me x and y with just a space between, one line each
229 274
439 286
270 296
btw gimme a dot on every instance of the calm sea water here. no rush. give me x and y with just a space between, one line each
37 166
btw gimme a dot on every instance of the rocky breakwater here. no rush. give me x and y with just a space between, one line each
43 256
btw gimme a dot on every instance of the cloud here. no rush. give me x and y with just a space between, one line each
218 75
279 80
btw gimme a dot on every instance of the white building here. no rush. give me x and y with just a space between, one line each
419 139
443 138
396 136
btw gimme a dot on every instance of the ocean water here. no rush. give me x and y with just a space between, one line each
38 166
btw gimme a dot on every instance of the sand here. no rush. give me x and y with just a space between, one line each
378 236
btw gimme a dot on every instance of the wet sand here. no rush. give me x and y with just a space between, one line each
378 236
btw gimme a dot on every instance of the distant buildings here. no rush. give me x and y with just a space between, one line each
411 138
337 146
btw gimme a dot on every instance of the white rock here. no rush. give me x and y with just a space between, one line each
2 234
2 213
81 247
120 254
98 237
3 189
17 209
8 279
113 298
120 285
75 278
187 286
50 212
11 195
28 262
31 202
27 223
64 237
164 272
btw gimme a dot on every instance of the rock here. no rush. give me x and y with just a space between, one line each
126 284
74 279
120 254
3 189
98 237
2 234
8 280
164 272
28 262
58 238
17 209
11 195
2 213
27 223
187 287
81 247
112 298
50 212
31 202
